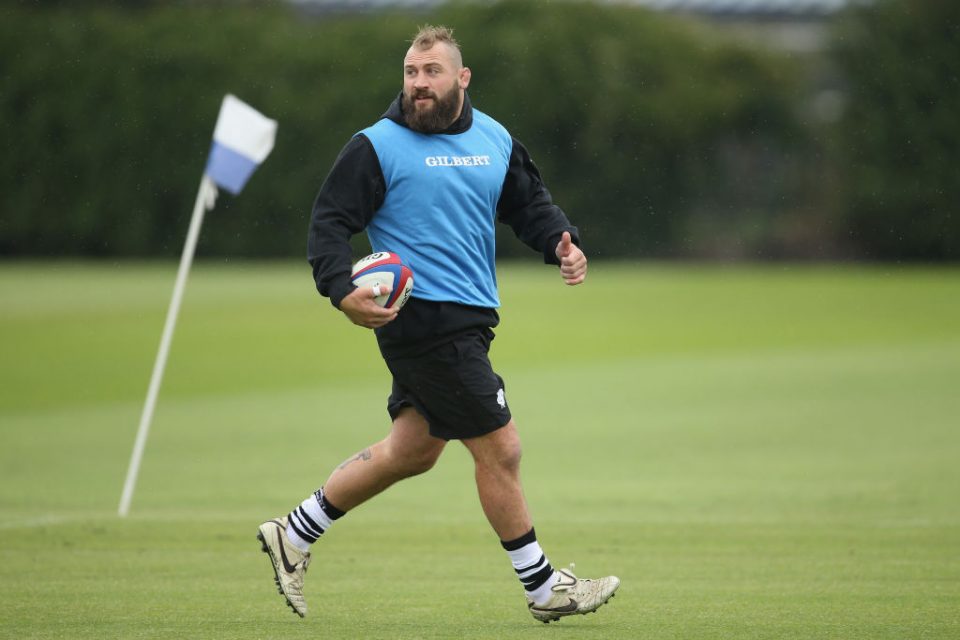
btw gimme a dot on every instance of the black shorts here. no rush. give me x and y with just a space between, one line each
453 386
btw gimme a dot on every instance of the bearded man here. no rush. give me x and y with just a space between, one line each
428 181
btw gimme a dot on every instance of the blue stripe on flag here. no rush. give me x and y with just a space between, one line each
228 168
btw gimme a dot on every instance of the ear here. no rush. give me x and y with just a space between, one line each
464 79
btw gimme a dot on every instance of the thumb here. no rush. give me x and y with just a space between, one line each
564 247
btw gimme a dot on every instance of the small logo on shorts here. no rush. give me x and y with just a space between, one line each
501 400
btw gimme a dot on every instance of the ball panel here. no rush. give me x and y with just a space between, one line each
399 295
381 257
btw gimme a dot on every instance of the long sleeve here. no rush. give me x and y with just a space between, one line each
348 198
527 206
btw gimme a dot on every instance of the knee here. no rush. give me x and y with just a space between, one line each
510 458
504 458
414 463
423 462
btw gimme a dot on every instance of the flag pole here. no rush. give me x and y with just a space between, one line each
242 138
206 196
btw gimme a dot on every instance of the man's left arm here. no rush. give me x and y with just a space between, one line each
527 206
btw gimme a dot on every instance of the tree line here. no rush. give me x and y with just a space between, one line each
659 137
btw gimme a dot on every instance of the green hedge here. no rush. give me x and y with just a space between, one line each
899 142
652 135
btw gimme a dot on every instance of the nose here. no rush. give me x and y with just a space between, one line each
420 80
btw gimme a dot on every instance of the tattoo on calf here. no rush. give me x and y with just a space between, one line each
363 456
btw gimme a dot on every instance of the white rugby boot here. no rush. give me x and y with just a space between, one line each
574 596
289 563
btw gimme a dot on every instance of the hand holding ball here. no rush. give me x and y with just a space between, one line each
384 268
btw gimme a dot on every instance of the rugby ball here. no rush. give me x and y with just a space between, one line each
385 268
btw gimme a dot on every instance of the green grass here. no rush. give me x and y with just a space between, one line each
758 452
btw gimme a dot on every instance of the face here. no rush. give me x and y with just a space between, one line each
433 86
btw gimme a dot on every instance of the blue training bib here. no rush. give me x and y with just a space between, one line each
440 206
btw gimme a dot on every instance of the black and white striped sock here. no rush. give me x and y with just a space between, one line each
531 565
311 519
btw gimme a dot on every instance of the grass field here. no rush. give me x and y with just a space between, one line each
758 452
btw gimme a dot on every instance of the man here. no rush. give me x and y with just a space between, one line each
426 182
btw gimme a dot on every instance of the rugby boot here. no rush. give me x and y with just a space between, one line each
574 596
288 562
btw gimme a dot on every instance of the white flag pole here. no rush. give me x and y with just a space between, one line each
206 197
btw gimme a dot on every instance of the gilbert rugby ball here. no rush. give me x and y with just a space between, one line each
385 268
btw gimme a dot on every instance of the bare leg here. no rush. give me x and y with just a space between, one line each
408 450
497 459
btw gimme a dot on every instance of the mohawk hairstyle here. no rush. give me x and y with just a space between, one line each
429 35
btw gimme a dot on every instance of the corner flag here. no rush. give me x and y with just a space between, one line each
242 139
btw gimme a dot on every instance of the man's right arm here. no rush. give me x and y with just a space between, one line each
352 192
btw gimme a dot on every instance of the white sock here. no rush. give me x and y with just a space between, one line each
310 520
532 567
541 594
296 540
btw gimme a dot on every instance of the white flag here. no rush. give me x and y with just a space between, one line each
242 139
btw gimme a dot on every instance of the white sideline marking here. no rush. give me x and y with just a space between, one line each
39 521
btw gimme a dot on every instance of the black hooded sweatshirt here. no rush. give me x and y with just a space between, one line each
354 190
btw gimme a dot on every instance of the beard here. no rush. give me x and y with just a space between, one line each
431 119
